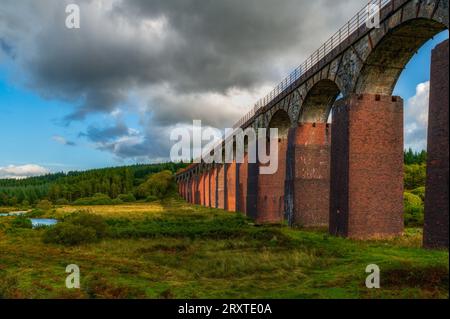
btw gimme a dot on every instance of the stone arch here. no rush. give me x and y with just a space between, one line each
282 121
388 58
318 102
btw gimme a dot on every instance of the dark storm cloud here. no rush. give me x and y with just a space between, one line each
96 134
188 49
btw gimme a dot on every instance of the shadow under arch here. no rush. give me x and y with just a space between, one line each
317 105
282 121
389 57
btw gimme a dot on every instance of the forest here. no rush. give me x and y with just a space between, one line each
121 184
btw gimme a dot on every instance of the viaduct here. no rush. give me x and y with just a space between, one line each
348 175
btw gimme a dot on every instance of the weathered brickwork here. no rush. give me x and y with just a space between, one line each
252 189
213 189
436 197
201 189
367 167
242 188
231 187
207 174
197 189
221 186
192 190
311 174
270 206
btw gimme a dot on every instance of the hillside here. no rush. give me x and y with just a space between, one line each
72 186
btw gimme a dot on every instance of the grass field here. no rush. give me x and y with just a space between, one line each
174 250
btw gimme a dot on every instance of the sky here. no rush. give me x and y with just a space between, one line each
109 93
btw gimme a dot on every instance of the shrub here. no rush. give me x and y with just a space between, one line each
159 185
414 176
87 220
419 191
127 198
151 199
22 222
78 228
44 205
116 201
69 234
36 213
97 199
62 202
414 210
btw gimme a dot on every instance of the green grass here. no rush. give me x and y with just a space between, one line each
174 250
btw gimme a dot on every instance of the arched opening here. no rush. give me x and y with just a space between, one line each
282 122
270 202
308 173
374 145
388 59
318 102
424 91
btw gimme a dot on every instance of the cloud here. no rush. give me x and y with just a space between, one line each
168 61
96 134
61 140
22 171
416 118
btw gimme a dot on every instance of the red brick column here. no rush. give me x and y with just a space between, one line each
207 187
221 186
231 186
270 205
367 167
311 174
213 188
436 197
242 187
198 188
202 188
191 191
195 186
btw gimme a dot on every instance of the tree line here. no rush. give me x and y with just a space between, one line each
72 186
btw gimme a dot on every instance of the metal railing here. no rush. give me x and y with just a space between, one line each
340 36
332 43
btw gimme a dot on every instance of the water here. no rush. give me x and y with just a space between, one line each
37 222
13 214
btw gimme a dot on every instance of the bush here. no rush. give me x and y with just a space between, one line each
127 198
22 222
44 205
151 199
78 228
159 185
415 176
116 201
62 202
419 191
89 221
414 210
69 235
36 213
97 199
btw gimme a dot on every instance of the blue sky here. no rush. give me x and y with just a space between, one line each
47 123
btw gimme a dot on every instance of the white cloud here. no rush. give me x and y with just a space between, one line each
22 171
416 118
63 141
